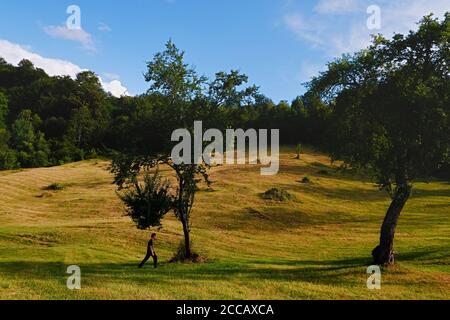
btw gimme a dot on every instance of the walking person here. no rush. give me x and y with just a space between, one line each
150 252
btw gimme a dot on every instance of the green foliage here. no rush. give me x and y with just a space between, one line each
149 201
180 254
30 144
55 187
170 76
178 88
277 194
79 120
224 90
8 158
3 110
391 104
306 180
74 115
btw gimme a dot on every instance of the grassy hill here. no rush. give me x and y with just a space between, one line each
316 246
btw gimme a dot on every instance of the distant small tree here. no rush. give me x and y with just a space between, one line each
298 149
30 144
391 114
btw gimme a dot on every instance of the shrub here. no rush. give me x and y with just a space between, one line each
306 179
55 187
277 194
180 255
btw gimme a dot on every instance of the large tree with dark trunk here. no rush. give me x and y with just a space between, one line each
176 87
179 97
391 113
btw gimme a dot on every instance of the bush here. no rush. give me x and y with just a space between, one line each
55 187
306 180
148 202
277 194
180 255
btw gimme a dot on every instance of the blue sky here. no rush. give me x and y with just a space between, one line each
278 43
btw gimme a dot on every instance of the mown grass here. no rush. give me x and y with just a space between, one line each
316 246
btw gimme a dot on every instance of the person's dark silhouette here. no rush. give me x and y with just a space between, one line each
150 252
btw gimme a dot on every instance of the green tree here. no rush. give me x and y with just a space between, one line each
95 119
30 144
8 159
170 76
177 86
81 127
3 110
391 113
225 90
7 155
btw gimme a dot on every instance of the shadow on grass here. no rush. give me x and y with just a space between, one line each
172 274
327 272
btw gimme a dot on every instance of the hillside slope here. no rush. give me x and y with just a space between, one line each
317 246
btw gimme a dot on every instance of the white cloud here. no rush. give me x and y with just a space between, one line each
14 53
115 87
103 27
347 32
305 29
77 35
336 6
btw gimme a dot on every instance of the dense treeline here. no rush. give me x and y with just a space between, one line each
47 121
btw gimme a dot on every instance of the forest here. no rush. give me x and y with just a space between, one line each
48 121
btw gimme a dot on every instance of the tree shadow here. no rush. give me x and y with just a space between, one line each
337 272
98 274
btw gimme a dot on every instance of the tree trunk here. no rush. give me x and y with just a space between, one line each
187 239
184 218
383 254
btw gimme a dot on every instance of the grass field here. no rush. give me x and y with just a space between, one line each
315 247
